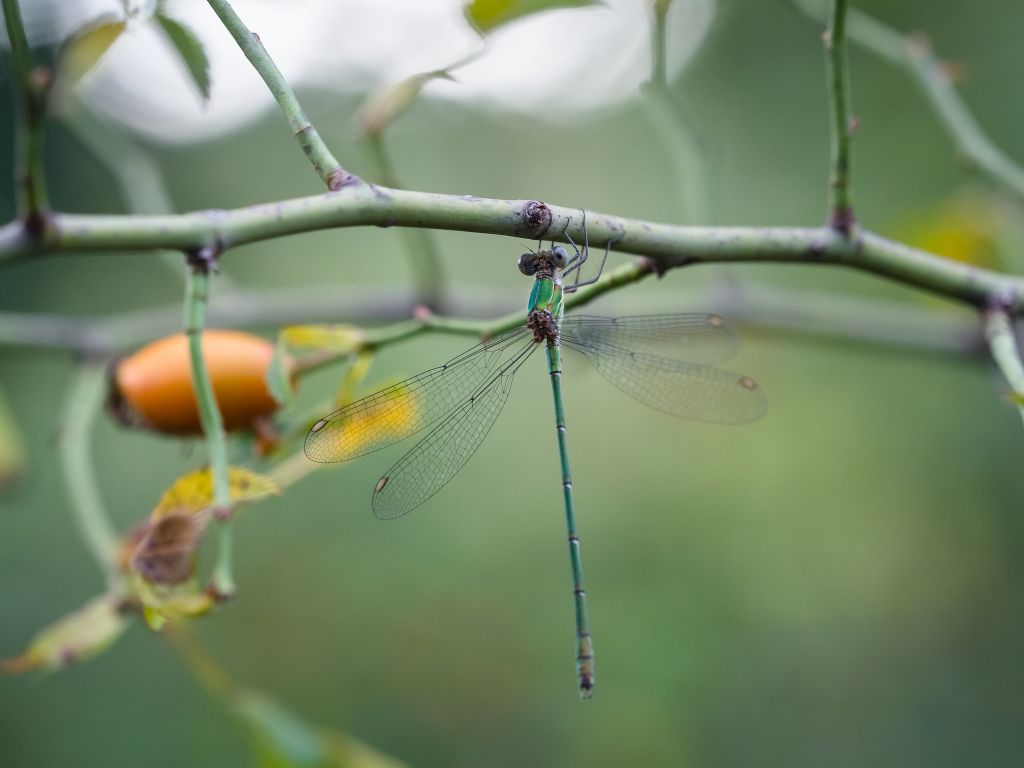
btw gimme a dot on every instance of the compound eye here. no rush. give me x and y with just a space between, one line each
560 256
528 264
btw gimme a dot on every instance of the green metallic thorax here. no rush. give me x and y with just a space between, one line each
546 296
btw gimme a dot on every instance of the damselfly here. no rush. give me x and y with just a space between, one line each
664 361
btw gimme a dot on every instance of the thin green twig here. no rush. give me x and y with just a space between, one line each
31 86
677 132
196 297
424 321
83 404
136 174
837 68
420 244
913 53
1002 343
325 164
909 326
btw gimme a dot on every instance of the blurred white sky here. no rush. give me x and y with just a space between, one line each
554 64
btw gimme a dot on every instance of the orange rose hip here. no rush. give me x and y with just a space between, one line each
152 388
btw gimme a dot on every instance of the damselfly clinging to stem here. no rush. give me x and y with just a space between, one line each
664 361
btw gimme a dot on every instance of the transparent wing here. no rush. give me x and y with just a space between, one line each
695 338
690 390
435 459
405 408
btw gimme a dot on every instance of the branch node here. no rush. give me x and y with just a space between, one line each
536 219
218 595
37 222
842 220
204 259
339 178
1002 300
654 267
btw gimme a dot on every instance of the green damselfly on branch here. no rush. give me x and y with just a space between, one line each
664 361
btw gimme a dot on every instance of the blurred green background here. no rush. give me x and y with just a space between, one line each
839 584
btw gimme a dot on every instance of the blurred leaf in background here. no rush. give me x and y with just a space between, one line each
76 637
280 739
189 48
488 15
84 49
13 459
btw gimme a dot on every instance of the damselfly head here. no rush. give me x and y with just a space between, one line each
528 264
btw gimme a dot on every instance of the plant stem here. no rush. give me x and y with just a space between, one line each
667 245
677 132
837 69
886 323
913 53
325 164
420 244
83 403
196 297
138 176
31 86
1003 344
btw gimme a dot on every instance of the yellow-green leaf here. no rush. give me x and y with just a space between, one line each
86 47
281 739
154 619
76 637
333 337
193 492
189 49
162 603
384 105
357 370
488 15
12 446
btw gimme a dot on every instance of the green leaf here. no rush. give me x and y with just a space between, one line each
281 739
279 377
76 637
384 105
488 15
191 51
85 47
